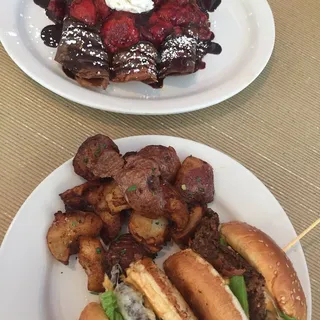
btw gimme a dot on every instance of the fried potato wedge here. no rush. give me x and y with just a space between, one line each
93 311
63 235
196 214
195 181
151 233
91 256
95 196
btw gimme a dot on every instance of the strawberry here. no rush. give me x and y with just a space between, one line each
56 10
205 34
158 32
103 10
119 31
84 10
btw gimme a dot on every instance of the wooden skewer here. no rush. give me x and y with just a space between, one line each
300 236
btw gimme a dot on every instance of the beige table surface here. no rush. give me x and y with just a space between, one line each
272 127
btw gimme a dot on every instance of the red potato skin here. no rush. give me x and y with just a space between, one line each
195 181
97 157
166 158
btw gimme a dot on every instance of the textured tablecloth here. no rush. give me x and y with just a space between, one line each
272 127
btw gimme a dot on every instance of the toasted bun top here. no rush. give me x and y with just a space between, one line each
165 299
93 311
271 261
203 287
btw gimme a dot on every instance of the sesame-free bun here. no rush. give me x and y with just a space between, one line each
202 287
272 262
154 285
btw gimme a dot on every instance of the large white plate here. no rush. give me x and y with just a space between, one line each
244 28
35 286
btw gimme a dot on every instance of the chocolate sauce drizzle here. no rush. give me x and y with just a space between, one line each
209 5
42 3
51 35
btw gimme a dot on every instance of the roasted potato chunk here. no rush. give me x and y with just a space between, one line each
151 233
97 157
123 251
93 311
112 199
63 235
196 214
76 198
111 224
166 158
175 207
95 196
91 257
195 181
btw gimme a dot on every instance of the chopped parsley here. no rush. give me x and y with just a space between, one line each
183 187
98 250
201 189
157 222
153 169
85 160
199 179
123 251
98 151
74 223
132 188
117 238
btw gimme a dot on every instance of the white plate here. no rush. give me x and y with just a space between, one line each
35 286
244 28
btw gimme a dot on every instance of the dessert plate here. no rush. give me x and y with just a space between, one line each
35 286
244 28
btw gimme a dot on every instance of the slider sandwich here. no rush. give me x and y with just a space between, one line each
144 294
256 280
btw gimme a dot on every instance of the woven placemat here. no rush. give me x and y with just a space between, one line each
272 127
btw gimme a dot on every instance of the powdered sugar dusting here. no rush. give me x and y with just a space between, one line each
179 47
140 58
86 41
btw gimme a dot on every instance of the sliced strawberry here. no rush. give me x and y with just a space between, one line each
158 32
168 12
84 10
120 31
180 2
157 3
103 10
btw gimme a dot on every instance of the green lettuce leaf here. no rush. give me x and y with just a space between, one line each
110 306
238 288
285 317
223 242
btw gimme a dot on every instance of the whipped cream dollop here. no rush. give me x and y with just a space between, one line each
134 6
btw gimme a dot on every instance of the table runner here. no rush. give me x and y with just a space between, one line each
272 127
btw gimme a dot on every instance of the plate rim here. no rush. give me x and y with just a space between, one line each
25 60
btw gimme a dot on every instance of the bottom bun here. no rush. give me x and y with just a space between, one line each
202 287
93 311
164 298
